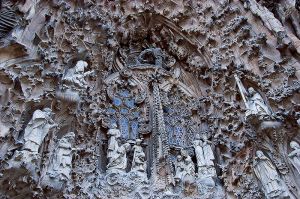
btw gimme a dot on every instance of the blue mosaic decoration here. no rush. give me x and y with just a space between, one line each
124 113
177 122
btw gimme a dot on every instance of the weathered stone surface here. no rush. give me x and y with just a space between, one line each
150 99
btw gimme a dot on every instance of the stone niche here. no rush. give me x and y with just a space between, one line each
149 99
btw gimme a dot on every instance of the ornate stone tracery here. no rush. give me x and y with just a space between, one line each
156 99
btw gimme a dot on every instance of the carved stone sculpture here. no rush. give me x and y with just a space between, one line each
113 144
119 159
60 166
254 102
75 76
295 155
73 82
185 172
269 21
138 160
35 132
179 168
205 157
27 160
266 172
160 71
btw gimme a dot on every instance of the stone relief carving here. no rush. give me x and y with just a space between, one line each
35 132
185 172
73 82
113 144
254 102
268 176
138 160
136 82
205 157
119 158
59 169
295 155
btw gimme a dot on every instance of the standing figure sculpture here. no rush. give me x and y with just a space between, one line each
29 157
119 158
113 145
138 162
295 155
60 165
179 169
266 173
254 102
36 130
205 157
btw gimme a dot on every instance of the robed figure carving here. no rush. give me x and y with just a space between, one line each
29 157
119 158
73 82
205 157
138 161
74 77
37 129
60 165
114 134
254 102
295 155
184 167
266 173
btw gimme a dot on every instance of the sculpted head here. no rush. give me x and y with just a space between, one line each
127 147
114 125
179 158
138 141
260 154
251 91
80 66
48 111
294 145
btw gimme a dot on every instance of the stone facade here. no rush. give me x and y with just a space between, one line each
150 99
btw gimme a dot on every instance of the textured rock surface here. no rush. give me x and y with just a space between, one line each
150 99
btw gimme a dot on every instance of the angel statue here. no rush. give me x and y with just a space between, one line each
254 102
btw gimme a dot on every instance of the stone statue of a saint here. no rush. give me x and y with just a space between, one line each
74 77
29 157
179 168
119 159
114 134
185 172
254 102
37 129
73 82
61 163
58 173
266 173
204 156
138 161
184 167
295 155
